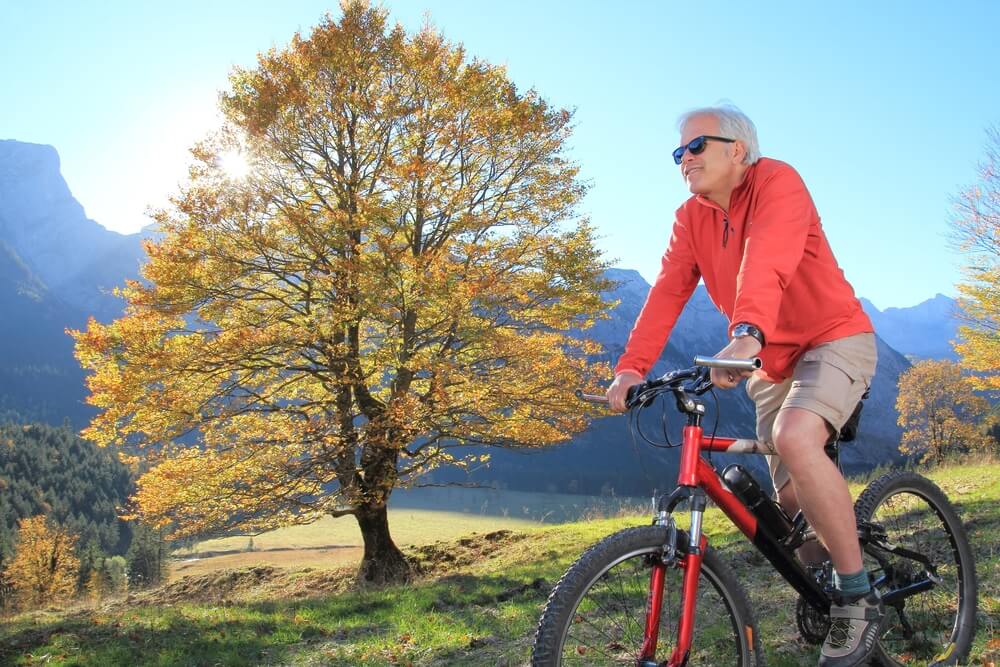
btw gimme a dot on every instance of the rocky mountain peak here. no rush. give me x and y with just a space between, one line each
48 229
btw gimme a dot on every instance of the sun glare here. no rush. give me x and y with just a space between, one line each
234 164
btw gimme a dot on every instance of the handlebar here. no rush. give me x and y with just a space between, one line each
729 364
674 380
591 398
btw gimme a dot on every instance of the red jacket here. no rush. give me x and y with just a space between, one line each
766 262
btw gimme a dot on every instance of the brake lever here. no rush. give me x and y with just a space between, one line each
640 394
702 383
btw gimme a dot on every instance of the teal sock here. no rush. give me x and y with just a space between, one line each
852 585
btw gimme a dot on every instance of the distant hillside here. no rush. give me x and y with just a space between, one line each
57 268
39 378
50 470
924 331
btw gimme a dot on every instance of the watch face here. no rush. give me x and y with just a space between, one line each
744 329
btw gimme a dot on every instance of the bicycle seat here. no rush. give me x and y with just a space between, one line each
849 431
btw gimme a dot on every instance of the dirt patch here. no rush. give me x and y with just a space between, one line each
443 557
214 587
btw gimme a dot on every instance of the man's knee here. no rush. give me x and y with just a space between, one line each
799 434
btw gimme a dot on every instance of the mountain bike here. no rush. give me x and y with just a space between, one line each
658 595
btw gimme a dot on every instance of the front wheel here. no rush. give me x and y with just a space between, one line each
596 613
909 514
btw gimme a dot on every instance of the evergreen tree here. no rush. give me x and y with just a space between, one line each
50 470
147 557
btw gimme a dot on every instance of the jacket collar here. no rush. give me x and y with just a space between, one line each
738 191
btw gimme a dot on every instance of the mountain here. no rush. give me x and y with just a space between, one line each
75 257
924 331
604 459
39 378
57 267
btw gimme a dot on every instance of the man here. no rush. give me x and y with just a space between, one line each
751 232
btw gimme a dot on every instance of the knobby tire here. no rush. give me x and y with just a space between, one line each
596 613
917 515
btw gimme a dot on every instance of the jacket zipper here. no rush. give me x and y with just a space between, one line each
725 230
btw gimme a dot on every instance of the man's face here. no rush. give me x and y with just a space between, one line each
713 168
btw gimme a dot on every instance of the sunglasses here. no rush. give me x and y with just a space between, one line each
696 146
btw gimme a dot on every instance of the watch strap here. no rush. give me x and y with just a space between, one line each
747 329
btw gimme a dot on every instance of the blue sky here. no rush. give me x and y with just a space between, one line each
881 107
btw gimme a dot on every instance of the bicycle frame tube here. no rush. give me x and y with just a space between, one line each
781 557
692 570
654 607
696 472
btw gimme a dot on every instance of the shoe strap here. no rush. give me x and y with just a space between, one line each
855 611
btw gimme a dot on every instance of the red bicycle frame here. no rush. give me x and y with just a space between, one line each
696 480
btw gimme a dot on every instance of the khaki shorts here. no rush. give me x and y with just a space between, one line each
828 380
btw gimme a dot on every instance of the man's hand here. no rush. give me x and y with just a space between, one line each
744 347
619 389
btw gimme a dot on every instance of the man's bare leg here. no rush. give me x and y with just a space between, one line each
812 552
819 489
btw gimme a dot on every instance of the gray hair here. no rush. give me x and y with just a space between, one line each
733 124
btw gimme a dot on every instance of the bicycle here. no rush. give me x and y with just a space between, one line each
651 585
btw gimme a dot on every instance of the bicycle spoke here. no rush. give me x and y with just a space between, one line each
629 620
606 614
608 624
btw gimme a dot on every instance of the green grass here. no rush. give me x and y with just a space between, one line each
477 605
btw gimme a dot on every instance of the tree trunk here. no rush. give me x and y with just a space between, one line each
383 562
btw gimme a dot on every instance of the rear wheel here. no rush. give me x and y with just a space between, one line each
596 613
934 627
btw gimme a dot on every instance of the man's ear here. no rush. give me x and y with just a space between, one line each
739 152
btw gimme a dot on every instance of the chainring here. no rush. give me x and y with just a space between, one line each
813 624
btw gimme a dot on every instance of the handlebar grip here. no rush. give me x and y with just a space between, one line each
591 398
730 364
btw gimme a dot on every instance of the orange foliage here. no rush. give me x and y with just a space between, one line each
395 277
940 412
45 565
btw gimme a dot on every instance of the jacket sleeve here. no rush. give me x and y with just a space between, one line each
776 242
672 288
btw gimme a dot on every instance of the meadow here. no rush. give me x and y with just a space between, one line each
416 517
476 603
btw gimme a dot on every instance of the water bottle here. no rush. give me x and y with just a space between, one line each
768 512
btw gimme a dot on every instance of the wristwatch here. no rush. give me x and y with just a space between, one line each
745 329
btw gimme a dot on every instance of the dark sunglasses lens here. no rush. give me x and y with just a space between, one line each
696 146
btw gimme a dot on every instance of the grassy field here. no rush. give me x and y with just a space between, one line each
409 527
330 543
416 518
476 603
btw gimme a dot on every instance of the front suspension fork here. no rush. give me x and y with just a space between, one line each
691 564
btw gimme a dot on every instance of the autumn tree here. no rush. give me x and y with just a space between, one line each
45 565
394 278
940 412
976 233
